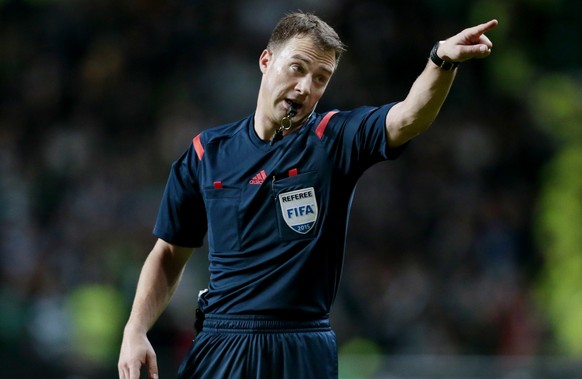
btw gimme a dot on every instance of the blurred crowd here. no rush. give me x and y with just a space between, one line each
97 98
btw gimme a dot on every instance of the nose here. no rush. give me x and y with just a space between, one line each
303 86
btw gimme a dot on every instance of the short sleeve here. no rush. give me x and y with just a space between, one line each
182 215
358 138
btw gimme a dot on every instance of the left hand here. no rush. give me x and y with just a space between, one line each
470 43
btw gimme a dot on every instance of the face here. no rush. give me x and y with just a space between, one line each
296 73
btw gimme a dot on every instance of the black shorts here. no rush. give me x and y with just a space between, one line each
258 347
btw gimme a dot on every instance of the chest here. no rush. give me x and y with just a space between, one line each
274 194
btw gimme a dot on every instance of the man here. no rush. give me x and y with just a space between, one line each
273 191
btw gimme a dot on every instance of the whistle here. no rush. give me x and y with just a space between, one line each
286 123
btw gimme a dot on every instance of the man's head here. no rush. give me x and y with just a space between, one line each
299 24
300 58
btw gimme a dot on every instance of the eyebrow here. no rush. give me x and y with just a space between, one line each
309 61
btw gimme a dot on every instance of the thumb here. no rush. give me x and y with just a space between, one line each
481 50
474 51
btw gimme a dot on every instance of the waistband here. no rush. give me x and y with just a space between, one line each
262 324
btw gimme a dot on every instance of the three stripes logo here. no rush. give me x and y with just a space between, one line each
259 178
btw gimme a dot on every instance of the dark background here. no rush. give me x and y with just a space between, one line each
467 246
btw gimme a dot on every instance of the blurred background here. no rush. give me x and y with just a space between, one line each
464 255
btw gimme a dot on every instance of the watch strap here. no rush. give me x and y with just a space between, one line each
444 65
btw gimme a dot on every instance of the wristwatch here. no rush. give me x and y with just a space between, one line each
444 65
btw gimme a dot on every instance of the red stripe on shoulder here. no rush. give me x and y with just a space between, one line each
323 124
198 146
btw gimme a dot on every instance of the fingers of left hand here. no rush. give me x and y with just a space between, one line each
477 46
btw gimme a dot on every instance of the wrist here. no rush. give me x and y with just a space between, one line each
441 63
133 328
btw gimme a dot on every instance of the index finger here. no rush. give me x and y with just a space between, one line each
482 28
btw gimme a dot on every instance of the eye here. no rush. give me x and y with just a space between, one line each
297 68
321 79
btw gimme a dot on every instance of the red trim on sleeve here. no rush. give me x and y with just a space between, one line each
198 146
323 124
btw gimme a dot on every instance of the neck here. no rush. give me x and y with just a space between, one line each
264 128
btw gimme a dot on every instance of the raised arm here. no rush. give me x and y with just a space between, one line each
159 278
417 112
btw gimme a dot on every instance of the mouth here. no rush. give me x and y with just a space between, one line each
291 103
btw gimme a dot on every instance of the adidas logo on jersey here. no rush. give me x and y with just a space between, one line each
259 178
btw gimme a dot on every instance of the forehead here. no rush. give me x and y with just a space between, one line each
303 48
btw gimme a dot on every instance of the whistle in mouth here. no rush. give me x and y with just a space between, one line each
286 122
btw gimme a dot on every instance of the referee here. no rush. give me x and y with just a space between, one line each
272 192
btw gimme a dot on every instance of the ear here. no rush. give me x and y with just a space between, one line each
265 60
